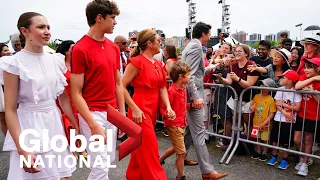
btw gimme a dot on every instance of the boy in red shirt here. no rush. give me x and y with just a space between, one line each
309 114
95 81
179 74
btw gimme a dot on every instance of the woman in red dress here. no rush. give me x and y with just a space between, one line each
148 78
65 50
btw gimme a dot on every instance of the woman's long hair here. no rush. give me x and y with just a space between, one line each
300 54
172 52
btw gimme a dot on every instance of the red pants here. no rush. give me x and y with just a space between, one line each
144 162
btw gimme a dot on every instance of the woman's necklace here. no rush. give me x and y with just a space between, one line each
102 46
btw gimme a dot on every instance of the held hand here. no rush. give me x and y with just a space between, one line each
171 115
252 68
137 116
198 103
98 130
288 116
234 77
279 103
30 169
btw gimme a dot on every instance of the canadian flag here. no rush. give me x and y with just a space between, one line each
254 132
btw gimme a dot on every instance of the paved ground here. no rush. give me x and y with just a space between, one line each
240 167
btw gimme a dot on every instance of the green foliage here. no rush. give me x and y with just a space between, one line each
273 43
178 50
53 45
256 45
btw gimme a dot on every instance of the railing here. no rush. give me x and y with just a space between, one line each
223 93
256 142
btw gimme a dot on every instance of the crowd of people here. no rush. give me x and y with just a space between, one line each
73 88
283 118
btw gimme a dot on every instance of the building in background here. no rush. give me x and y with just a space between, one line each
279 33
177 41
255 37
240 36
271 37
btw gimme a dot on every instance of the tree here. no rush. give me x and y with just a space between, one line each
256 45
274 43
53 45
178 50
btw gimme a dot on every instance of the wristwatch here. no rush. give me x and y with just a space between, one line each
239 80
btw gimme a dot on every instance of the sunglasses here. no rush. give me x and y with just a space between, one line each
123 43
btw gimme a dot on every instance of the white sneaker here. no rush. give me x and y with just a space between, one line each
303 171
298 166
310 161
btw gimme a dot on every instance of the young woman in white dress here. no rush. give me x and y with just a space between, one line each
33 80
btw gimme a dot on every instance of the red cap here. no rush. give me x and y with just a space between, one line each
315 61
292 75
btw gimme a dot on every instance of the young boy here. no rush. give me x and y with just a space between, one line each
264 109
179 74
307 116
288 104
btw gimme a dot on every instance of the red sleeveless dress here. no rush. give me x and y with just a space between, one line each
144 162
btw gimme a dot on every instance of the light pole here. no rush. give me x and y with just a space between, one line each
225 25
191 17
300 25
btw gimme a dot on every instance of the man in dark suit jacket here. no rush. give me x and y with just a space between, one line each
192 55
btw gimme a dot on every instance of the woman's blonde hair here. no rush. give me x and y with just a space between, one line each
143 37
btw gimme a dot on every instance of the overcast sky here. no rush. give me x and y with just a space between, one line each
68 21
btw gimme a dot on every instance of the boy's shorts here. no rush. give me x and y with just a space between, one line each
286 133
309 126
176 135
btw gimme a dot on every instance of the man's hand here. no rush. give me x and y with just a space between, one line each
198 103
98 130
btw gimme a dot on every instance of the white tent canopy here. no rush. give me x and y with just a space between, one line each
45 48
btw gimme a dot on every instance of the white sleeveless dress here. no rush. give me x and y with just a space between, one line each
41 81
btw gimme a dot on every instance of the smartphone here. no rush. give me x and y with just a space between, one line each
134 39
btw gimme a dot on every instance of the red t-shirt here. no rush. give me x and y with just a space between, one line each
178 102
309 105
207 78
242 73
99 61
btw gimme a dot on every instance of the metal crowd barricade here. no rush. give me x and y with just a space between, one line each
295 150
216 88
